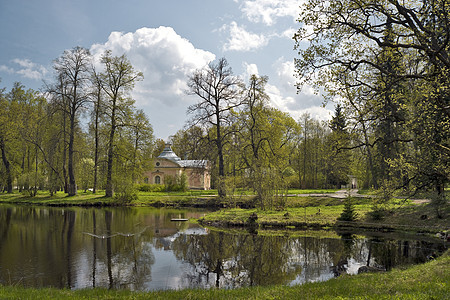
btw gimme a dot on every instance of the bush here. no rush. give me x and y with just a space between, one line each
126 194
176 183
377 213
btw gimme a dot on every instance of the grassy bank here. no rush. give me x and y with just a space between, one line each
323 213
426 281
300 211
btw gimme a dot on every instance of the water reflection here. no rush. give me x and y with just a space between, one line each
141 249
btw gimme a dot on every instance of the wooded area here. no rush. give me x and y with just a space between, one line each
384 63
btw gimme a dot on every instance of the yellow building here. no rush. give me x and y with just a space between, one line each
169 164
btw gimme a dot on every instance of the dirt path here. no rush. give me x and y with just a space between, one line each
341 194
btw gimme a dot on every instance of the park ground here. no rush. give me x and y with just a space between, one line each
301 209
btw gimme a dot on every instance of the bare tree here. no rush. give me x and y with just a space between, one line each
220 93
73 74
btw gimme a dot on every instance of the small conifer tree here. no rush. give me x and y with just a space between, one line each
349 213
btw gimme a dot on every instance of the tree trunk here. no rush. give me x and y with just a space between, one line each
64 169
72 184
221 188
7 167
94 188
109 185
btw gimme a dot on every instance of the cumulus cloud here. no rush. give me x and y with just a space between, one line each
268 11
250 69
242 40
26 68
166 60
284 96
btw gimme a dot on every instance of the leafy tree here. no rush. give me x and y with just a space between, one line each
401 64
338 160
118 79
191 143
20 113
265 138
141 136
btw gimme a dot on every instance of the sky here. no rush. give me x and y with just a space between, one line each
167 41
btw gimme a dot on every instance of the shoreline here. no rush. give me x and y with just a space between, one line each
424 281
312 212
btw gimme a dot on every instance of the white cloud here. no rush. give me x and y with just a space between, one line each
6 69
296 105
26 68
284 96
268 11
242 40
250 69
288 33
166 59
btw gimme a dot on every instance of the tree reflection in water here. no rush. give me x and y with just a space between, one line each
141 249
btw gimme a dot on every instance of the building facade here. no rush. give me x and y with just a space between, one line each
169 164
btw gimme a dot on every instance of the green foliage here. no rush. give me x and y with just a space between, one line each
177 183
349 213
393 85
440 204
125 193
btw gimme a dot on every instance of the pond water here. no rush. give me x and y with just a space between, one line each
142 249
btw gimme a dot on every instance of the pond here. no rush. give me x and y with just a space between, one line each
142 249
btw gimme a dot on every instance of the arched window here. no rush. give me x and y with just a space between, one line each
157 180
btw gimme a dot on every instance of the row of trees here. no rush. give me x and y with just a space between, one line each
82 130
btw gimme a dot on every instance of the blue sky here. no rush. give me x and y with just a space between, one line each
166 40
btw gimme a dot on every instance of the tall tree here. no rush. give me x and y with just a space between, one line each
141 135
73 74
265 137
390 56
119 78
6 134
338 162
96 114
220 94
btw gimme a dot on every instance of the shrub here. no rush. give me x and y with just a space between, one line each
176 183
377 212
126 194
349 213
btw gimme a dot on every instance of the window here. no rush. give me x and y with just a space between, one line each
157 163
157 180
146 180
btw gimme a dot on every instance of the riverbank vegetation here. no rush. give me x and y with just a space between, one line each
426 281
301 209
389 131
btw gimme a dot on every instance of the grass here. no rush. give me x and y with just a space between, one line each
299 211
426 281
313 212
